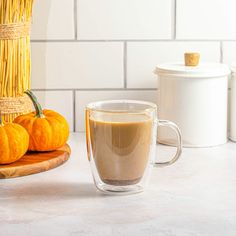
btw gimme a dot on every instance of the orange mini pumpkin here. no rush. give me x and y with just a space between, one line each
14 142
48 130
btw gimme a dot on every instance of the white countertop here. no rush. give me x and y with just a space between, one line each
195 196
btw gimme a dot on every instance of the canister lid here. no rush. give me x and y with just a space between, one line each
203 70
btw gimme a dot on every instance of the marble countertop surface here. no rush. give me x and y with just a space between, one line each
195 196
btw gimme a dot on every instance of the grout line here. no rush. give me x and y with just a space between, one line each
98 89
174 19
126 40
55 89
221 52
93 89
75 18
74 110
53 40
125 64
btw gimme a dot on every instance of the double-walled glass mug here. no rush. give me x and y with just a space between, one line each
121 144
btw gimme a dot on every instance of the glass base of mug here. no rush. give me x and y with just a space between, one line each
119 190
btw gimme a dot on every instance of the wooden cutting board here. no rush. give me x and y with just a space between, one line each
35 162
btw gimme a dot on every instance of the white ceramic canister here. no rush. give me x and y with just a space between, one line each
232 132
195 98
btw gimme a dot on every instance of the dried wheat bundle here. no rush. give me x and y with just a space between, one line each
15 65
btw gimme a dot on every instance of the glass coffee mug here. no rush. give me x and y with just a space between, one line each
121 144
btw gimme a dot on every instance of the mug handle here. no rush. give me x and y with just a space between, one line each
173 126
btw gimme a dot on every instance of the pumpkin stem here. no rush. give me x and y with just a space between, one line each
37 106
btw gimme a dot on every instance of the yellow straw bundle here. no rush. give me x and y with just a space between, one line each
15 65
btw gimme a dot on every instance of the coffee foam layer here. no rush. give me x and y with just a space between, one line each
119 117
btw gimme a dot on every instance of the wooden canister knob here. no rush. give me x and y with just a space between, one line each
191 58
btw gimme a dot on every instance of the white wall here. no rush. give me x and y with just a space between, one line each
88 50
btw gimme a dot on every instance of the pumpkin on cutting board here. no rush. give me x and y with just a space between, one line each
47 129
14 142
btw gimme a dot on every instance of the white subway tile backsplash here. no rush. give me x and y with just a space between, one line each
229 111
229 55
53 19
143 57
229 52
97 60
122 19
85 97
77 65
59 101
201 19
